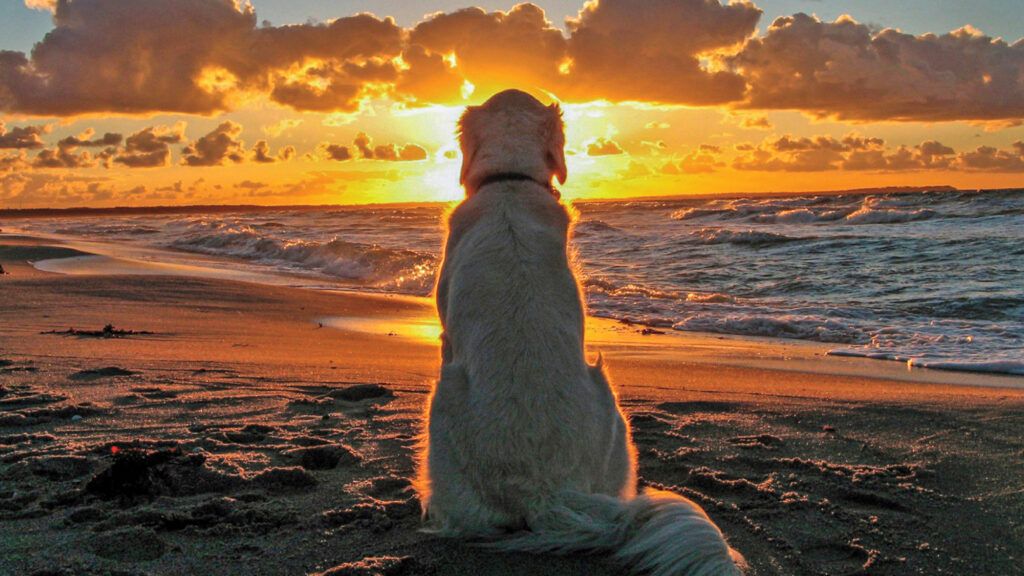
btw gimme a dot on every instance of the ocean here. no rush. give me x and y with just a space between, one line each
934 279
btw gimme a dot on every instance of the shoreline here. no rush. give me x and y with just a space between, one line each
98 258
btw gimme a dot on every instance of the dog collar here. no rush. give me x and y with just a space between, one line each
509 176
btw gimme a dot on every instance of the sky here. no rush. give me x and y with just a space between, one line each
155 102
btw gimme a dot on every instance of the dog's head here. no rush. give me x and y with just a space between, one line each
512 132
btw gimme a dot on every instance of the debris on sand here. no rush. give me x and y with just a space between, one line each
141 474
325 457
108 331
97 373
757 441
284 479
374 566
2 271
361 392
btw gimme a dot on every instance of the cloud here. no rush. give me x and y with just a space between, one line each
51 189
47 5
278 128
191 56
215 148
603 147
491 50
336 151
13 161
209 56
756 123
22 137
150 147
843 69
704 160
989 159
86 139
618 52
65 154
63 157
856 153
202 56
251 185
261 153
393 152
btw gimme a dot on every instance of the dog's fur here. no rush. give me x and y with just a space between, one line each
526 443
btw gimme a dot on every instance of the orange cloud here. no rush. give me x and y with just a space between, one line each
603 147
363 145
261 153
23 137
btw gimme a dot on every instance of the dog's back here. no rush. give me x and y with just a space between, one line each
531 418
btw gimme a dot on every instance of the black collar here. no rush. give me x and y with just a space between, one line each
507 176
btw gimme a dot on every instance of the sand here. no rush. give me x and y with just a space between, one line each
253 429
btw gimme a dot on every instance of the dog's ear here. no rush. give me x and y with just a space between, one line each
555 129
467 141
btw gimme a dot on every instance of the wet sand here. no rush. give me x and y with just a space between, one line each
259 429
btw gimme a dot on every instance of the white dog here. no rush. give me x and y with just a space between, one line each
526 441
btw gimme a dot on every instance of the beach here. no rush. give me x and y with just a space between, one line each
221 426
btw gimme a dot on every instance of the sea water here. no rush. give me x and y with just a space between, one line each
935 279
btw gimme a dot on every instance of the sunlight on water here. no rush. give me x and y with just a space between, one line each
423 329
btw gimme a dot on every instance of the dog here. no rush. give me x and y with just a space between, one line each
526 447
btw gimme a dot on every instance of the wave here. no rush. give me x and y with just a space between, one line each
605 286
773 326
375 266
741 237
870 214
593 227
995 366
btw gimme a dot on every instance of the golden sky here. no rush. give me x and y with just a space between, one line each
145 102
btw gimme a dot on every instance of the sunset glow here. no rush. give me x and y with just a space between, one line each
337 108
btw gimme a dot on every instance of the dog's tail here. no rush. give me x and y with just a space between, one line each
657 533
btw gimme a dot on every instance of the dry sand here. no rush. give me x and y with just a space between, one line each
240 437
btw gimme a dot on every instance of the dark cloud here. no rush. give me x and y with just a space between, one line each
63 157
86 140
856 153
846 70
66 155
189 56
620 52
336 151
21 137
150 147
603 147
214 149
393 152
262 155
989 159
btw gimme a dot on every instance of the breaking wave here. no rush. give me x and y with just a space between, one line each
375 266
